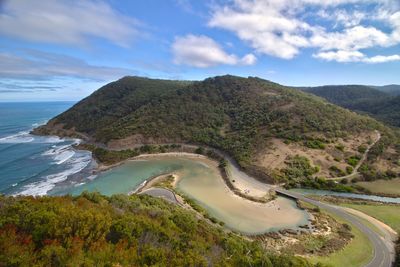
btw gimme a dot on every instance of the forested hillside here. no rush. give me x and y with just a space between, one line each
94 230
382 102
392 89
237 115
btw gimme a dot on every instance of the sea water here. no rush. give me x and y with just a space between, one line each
35 165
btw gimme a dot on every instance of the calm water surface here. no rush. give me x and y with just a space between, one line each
203 183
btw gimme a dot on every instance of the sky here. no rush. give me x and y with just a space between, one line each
66 49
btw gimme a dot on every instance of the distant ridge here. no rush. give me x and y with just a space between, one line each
381 102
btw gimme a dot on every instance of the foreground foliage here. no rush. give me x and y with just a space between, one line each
94 230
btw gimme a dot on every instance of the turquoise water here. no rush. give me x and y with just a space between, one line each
347 195
203 183
34 165
124 178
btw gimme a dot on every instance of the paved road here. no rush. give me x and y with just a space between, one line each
383 252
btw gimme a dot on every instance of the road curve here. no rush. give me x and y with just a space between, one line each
383 254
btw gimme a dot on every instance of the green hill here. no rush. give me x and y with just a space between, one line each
237 115
392 89
94 230
349 96
381 102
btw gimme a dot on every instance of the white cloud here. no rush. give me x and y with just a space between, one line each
257 22
202 52
343 17
248 59
355 38
354 56
66 22
382 59
280 28
340 56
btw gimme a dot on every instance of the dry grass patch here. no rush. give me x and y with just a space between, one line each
335 153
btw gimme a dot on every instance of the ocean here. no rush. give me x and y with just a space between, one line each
37 165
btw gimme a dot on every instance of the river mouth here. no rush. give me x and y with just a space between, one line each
200 180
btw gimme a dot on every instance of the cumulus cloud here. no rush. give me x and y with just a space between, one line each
66 22
340 56
343 17
37 65
248 59
202 52
281 28
355 56
381 59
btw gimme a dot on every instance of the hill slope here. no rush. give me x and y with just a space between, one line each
381 102
94 230
241 116
392 89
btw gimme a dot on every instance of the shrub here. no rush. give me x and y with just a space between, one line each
340 147
353 160
199 150
315 144
335 171
361 149
298 168
349 170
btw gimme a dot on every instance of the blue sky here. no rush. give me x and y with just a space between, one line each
66 49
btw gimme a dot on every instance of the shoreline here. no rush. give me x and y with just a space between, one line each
224 173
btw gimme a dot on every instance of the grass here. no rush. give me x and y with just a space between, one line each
391 187
388 214
357 253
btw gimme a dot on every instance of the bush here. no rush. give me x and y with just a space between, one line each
349 170
340 147
298 168
199 150
315 144
353 160
335 171
361 149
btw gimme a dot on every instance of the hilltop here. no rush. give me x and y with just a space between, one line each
274 132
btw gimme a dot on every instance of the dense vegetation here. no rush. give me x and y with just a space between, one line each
383 103
392 89
234 114
300 173
94 230
109 157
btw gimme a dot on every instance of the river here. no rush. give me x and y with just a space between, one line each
200 180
